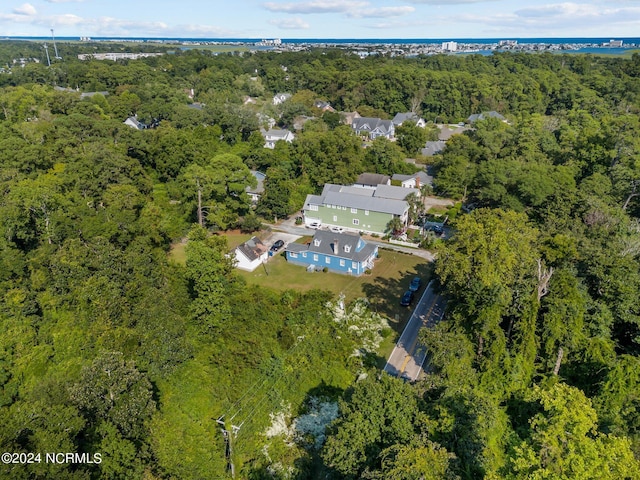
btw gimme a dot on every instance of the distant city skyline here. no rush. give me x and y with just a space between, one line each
322 18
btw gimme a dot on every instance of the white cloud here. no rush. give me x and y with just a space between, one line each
63 1
558 9
451 2
555 19
316 6
397 25
382 12
26 9
290 24
350 8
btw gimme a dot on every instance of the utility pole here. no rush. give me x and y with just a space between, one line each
55 48
46 49
200 216
228 439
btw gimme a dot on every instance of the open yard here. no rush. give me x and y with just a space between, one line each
385 285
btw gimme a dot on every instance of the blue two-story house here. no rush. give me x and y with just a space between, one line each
338 252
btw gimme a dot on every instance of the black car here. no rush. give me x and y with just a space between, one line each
277 245
407 298
437 229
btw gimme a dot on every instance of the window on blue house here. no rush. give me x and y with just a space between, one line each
342 263
327 260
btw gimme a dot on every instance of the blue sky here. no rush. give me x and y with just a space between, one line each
322 18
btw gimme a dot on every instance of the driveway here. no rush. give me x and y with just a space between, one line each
409 355
287 238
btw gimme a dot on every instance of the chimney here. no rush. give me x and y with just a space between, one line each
336 250
417 181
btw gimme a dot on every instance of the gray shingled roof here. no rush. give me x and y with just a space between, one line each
383 205
372 179
431 148
400 118
392 192
361 198
371 124
333 244
260 177
484 115
275 133
425 179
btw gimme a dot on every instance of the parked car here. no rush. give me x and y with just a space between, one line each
407 298
315 225
277 245
415 284
437 229
336 229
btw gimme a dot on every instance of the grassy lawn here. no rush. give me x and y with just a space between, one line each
389 279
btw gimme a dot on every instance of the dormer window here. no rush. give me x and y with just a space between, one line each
347 248
316 243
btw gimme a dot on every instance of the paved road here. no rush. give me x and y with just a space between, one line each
409 355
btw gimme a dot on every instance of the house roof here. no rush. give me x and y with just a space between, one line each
133 122
446 132
260 186
370 124
393 192
400 118
349 117
252 248
364 199
484 115
92 94
333 244
431 148
276 134
425 179
321 104
372 179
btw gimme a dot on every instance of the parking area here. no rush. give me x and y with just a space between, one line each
287 238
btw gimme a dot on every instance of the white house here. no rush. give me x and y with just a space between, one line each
414 118
134 123
373 127
417 180
279 98
272 136
255 193
251 254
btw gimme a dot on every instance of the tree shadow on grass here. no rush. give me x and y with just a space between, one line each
384 294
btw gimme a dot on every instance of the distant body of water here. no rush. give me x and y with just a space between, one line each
585 44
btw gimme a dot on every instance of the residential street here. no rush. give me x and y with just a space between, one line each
409 355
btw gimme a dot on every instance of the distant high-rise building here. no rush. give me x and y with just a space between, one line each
449 46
